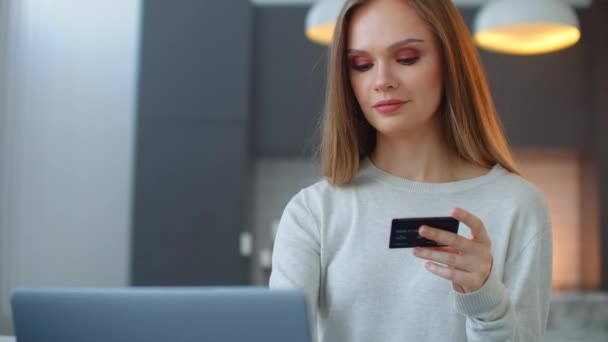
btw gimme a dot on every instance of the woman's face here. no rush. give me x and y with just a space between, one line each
395 67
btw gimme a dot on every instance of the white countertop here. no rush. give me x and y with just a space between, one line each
7 339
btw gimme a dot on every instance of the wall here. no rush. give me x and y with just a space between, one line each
287 84
597 139
5 252
67 143
192 157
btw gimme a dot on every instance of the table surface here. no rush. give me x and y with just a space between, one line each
7 339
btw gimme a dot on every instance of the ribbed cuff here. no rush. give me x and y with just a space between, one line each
486 304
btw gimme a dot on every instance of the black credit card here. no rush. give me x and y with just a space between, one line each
404 231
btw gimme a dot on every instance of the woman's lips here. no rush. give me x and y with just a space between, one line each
389 107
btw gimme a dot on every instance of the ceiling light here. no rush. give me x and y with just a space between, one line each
526 27
321 20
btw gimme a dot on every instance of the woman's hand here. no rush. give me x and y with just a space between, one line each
466 262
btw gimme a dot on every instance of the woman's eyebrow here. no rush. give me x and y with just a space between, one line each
405 42
392 46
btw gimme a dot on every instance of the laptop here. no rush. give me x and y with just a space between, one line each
154 314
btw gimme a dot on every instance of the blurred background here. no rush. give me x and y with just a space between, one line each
156 142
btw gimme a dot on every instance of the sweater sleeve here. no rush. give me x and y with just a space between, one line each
517 308
296 262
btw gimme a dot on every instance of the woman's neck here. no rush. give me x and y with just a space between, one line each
422 156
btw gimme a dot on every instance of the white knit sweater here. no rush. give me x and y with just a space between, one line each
332 243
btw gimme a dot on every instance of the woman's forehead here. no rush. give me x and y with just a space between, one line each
382 23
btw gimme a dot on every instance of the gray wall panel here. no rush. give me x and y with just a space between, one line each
196 58
288 82
190 186
598 127
192 143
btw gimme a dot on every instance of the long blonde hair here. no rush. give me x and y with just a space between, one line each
471 124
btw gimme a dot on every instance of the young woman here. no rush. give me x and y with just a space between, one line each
411 131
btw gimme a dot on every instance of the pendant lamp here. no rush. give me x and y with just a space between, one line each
526 27
321 20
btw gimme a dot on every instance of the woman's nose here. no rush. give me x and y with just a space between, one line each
385 78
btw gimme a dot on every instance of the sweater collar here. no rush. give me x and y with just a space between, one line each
369 170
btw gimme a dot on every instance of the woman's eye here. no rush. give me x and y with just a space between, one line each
362 67
408 61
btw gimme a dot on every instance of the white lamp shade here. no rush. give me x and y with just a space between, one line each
321 20
526 26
